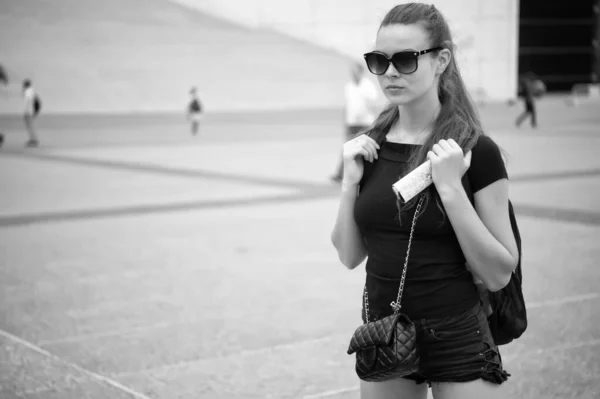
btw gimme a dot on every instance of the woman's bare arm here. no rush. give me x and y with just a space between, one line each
346 237
484 232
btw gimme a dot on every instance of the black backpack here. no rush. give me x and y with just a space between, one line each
508 317
37 104
508 320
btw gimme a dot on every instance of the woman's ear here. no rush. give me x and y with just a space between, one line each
444 57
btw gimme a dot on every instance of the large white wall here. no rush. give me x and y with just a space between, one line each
486 32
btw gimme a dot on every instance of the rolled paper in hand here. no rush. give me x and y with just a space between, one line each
414 182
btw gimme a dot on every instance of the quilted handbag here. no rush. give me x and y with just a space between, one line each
387 348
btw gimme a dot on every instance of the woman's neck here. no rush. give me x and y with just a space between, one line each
417 119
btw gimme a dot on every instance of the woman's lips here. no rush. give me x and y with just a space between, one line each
393 88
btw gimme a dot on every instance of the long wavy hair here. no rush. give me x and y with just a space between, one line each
458 119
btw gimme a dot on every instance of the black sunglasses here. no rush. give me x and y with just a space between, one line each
405 62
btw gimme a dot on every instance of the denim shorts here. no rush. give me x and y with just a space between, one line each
458 348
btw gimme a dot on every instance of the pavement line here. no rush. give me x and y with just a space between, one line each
557 214
143 167
98 377
551 349
237 355
156 326
562 301
566 174
332 392
324 192
140 328
166 170
148 209
104 334
43 390
37 391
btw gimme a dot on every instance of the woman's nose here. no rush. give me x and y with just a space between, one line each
391 71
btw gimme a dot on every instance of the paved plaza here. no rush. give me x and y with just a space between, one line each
137 261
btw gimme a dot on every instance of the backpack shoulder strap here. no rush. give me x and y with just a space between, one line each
515 229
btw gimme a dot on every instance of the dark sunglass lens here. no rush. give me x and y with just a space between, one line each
377 63
405 62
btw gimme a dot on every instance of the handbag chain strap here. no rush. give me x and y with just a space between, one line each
396 304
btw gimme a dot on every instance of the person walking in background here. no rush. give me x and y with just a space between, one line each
4 81
3 76
360 96
32 106
529 88
194 112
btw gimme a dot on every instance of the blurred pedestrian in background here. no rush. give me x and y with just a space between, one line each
4 81
529 88
32 107
3 76
359 112
194 113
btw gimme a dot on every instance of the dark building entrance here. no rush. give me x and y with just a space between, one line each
559 41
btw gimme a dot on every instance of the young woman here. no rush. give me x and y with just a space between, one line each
463 221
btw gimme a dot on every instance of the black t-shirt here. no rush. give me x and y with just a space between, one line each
437 282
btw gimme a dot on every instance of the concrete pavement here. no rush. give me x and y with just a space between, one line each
139 262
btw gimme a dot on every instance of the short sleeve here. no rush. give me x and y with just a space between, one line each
487 164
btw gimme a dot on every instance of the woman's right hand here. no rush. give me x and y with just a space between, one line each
354 152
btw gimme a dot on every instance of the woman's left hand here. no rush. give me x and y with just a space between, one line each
448 164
